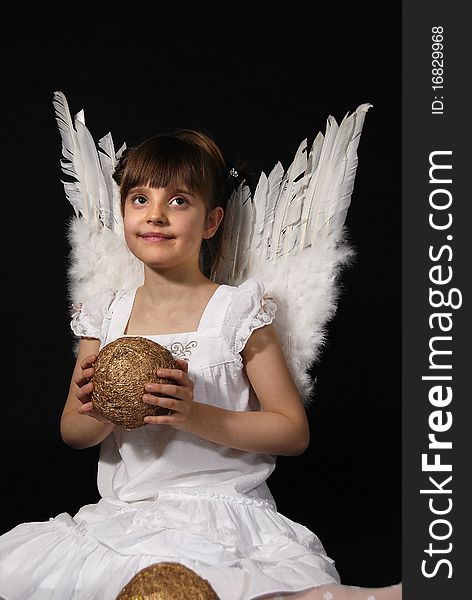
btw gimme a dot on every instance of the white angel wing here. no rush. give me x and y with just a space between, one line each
290 235
297 242
100 263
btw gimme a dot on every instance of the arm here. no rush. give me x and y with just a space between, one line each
281 427
81 426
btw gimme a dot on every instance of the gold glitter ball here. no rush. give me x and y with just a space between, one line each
121 370
167 581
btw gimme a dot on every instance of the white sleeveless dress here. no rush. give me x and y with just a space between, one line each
168 495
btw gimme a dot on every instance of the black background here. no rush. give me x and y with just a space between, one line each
259 86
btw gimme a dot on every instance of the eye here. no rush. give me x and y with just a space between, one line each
139 200
179 201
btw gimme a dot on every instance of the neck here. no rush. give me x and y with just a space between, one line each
174 282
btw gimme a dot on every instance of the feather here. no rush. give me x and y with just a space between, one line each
289 203
243 226
298 242
100 262
349 158
329 193
318 190
265 209
310 179
259 204
93 179
108 160
71 161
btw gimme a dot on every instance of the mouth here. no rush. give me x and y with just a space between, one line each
156 237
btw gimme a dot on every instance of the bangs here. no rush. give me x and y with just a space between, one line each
165 161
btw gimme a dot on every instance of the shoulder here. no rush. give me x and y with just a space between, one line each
88 319
251 297
249 290
249 307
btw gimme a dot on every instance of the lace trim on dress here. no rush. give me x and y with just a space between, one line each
83 323
264 316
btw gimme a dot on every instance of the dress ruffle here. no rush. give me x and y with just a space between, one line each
249 309
87 318
225 539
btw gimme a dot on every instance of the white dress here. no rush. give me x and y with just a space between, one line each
168 495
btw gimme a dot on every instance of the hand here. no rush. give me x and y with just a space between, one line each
85 388
181 403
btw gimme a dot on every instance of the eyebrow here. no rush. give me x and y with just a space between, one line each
172 190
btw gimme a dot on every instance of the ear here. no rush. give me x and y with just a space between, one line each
212 222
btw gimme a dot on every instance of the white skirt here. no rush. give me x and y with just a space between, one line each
241 545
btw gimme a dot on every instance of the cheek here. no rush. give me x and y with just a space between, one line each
128 221
189 223
196 229
128 227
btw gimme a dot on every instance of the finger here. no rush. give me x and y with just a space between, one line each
165 389
87 374
83 392
183 365
85 409
88 361
177 375
165 401
88 410
161 420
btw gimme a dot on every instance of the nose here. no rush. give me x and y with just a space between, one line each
156 213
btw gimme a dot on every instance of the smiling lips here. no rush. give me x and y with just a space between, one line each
153 236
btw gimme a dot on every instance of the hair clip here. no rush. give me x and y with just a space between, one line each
233 172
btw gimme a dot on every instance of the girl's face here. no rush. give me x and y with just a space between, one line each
164 227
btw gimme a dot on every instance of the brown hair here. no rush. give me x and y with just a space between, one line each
180 156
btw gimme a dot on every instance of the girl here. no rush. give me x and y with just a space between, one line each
189 487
